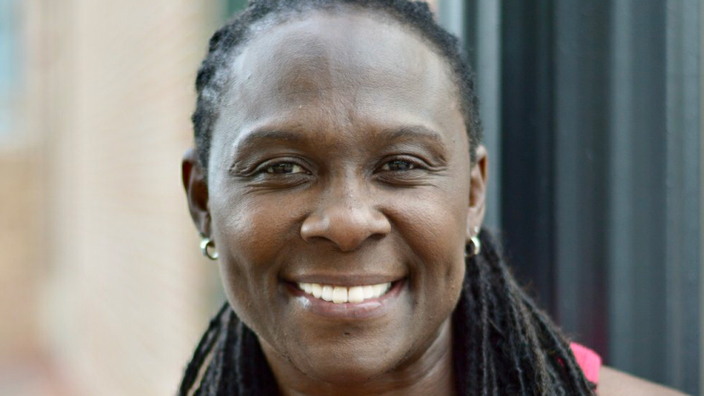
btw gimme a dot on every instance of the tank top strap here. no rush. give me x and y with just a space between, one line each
588 360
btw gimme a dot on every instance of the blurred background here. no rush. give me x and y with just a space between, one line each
592 112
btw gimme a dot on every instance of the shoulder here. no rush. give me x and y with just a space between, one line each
617 383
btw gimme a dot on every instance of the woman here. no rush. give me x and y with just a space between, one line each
339 180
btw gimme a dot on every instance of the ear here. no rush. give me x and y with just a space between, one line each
194 182
477 192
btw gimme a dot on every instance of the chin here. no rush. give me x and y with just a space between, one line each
343 369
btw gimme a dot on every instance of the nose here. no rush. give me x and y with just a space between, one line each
346 220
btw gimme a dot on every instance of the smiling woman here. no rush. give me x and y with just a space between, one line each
339 176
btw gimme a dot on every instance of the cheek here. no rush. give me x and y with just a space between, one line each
432 225
255 225
251 235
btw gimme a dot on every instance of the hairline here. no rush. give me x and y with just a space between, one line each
302 11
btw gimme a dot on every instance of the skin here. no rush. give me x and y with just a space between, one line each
617 383
337 155
342 106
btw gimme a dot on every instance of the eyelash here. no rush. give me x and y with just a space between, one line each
293 166
412 165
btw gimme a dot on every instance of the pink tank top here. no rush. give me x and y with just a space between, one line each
588 360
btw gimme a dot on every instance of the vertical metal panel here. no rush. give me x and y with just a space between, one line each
581 162
622 324
527 181
602 144
701 201
654 190
683 341
637 212
488 69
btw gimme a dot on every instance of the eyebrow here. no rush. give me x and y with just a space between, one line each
255 137
414 132
406 133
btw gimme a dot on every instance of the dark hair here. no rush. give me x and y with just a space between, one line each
503 344
213 73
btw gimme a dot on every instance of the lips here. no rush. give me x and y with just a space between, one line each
349 300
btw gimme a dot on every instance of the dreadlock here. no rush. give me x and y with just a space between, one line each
512 349
503 344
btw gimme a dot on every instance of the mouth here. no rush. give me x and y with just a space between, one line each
343 294
347 302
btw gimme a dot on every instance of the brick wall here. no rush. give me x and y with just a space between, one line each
127 294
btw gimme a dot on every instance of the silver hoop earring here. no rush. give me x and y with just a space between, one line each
476 245
207 244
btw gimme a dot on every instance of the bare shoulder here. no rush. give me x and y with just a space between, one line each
617 383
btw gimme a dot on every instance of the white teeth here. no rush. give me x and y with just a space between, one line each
316 290
327 293
381 289
356 294
341 294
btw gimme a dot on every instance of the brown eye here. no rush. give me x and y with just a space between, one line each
284 168
398 166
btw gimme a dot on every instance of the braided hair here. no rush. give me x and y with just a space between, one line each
503 344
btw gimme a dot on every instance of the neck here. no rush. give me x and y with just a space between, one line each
430 373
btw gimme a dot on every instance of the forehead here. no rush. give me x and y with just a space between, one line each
340 67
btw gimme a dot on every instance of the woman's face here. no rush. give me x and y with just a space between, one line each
339 160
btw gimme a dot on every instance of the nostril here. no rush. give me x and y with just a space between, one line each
346 227
377 237
380 224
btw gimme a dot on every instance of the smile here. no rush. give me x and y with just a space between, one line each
335 301
342 294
